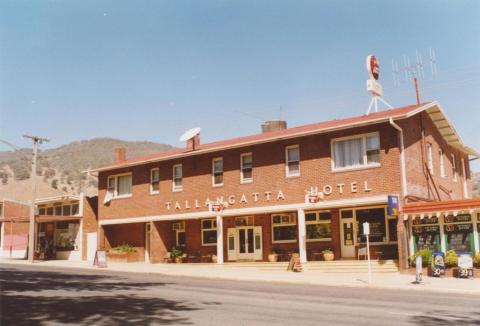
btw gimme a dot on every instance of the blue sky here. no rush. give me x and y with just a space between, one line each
149 70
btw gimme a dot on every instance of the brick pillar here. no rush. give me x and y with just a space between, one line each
402 244
159 244
100 238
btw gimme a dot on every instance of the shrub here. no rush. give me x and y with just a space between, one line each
476 261
426 258
451 259
124 248
176 252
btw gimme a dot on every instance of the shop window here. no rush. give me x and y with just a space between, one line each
119 186
209 232
154 181
67 210
376 218
75 209
392 229
318 226
177 179
58 210
459 233
217 171
42 210
246 168
66 235
292 166
284 228
426 233
356 152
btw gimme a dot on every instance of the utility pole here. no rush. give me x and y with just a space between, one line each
31 228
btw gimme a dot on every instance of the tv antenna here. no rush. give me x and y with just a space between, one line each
373 86
414 71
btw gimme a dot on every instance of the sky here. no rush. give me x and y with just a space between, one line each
149 70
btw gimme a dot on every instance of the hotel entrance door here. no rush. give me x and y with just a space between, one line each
348 238
245 243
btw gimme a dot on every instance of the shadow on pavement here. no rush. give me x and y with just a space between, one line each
440 318
35 297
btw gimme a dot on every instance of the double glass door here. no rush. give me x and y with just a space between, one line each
245 243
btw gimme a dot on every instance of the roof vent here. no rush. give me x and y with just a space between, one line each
274 125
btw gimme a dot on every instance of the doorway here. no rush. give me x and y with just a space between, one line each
347 230
245 243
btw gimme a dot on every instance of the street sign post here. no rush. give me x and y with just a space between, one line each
366 232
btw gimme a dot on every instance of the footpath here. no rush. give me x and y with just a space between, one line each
258 273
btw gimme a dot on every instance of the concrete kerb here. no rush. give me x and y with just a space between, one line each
397 282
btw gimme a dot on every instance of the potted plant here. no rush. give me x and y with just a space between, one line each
176 254
214 259
273 257
328 255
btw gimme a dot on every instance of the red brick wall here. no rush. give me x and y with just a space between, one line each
90 220
416 158
268 174
15 210
116 235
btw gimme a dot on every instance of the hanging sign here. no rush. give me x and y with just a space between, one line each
393 205
438 264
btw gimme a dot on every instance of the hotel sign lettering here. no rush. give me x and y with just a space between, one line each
264 197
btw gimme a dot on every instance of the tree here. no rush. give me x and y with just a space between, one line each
54 184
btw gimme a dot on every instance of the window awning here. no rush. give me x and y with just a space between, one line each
439 208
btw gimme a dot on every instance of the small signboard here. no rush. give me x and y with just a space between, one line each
100 259
393 205
465 265
438 264
294 265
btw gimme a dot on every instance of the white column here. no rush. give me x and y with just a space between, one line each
443 242
302 238
411 245
219 239
476 236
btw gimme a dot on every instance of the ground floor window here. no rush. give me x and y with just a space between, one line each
284 228
376 217
459 233
426 233
318 226
209 232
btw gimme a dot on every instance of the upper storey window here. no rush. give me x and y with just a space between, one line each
356 152
177 179
119 186
246 168
292 166
155 181
430 157
217 171
454 167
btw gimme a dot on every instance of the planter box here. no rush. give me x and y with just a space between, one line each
126 257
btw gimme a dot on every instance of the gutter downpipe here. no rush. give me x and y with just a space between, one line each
401 229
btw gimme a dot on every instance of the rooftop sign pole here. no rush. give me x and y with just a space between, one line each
373 86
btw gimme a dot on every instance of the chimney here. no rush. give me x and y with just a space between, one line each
193 143
120 154
274 125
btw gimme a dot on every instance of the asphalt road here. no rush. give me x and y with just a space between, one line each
34 295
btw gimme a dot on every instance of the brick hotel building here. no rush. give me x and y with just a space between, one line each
160 201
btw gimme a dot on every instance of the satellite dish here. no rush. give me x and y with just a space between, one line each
189 134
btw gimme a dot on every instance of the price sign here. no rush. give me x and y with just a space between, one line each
438 264
465 265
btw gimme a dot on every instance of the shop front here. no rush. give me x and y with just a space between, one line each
58 240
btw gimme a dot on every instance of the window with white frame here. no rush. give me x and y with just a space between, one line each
454 167
179 229
177 177
246 168
155 181
356 152
318 226
284 228
119 185
217 171
441 156
209 232
430 157
292 166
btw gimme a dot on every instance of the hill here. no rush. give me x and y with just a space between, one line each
59 170
476 184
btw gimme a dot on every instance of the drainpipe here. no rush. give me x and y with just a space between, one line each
401 230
